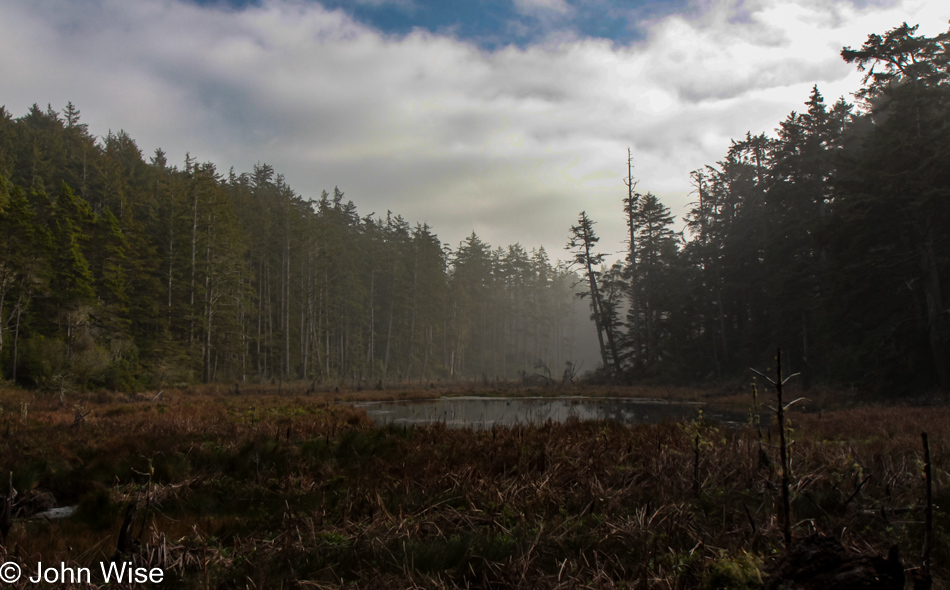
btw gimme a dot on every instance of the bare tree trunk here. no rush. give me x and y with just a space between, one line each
497 344
630 207
260 319
412 317
268 325
389 329
3 295
783 450
209 285
305 314
601 320
315 338
928 516
206 356
445 329
648 314
287 298
558 330
171 262
458 339
425 359
246 349
326 313
16 333
343 365
598 319
194 245
171 250
370 349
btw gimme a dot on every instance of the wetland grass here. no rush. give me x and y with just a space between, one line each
260 491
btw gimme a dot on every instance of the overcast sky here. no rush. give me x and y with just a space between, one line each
506 117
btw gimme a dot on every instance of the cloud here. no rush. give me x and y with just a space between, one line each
512 143
404 4
544 21
535 7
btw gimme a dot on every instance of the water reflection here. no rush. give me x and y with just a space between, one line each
485 412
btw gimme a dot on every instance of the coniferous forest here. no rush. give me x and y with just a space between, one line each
830 239
124 273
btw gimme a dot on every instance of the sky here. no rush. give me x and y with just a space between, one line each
502 117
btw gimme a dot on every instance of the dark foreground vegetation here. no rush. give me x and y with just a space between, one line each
247 489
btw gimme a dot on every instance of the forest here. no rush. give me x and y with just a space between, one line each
830 240
121 273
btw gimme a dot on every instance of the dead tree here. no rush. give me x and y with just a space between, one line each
780 408
6 512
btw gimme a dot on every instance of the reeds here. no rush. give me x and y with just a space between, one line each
249 491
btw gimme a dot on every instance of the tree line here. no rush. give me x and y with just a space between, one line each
830 240
124 273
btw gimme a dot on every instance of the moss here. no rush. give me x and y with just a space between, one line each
738 572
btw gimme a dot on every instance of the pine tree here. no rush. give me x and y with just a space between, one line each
901 195
655 248
582 243
22 262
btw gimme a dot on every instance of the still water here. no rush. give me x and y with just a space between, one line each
485 412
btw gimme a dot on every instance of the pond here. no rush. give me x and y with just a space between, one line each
485 412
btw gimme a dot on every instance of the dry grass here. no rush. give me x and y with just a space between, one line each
255 490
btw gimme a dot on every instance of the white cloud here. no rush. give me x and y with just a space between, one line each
511 143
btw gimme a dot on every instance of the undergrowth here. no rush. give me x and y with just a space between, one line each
264 491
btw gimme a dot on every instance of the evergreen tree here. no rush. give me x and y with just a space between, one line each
893 184
654 254
582 243
22 259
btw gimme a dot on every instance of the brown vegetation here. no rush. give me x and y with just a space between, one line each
238 489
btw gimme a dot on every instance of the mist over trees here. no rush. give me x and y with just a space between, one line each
125 273
830 240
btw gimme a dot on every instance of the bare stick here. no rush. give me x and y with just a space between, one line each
783 445
929 513
697 486
6 512
783 449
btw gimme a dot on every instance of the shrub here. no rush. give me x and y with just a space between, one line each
40 360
